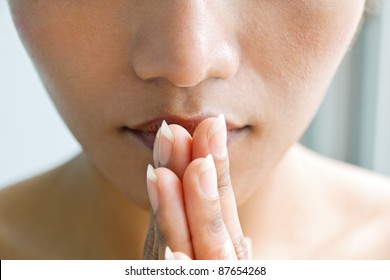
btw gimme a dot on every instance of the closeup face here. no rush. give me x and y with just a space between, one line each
116 68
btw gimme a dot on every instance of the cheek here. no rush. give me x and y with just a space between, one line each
81 58
293 52
55 40
297 47
72 40
320 33
318 38
76 52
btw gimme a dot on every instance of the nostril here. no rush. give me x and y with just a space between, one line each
189 70
184 48
184 67
186 78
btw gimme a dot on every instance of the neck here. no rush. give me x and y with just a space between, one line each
116 224
267 215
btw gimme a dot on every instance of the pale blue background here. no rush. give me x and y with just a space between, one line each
33 138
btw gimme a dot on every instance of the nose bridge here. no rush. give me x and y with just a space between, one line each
184 44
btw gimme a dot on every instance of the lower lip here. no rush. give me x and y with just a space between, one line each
148 138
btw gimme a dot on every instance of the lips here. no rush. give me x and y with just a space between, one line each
146 138
146 132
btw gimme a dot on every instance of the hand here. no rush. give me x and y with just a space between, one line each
194 208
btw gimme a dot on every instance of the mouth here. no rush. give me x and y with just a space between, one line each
146 132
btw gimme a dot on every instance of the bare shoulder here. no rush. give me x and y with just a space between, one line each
25 216
361 199
64 214
13 200
351 180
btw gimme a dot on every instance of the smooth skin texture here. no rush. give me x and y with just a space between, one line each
264 64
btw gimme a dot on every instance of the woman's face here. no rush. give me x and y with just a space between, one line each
116 68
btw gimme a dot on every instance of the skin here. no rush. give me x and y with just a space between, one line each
265 65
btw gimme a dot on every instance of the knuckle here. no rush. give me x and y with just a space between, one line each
216 224
240 247
224 187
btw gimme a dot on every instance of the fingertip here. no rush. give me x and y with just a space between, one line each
207 178
200 184
217 138
150 175
207 164
181 150
169 254
227 251
151 183
166 132
200 138
168 181
181 256
163 146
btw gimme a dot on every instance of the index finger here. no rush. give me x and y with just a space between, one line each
210 137
172 148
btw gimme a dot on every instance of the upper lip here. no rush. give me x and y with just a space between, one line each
152 125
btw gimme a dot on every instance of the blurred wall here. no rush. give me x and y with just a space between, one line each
353 123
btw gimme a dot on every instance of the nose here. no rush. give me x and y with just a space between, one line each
184 42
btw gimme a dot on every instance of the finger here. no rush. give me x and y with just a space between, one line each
181 256
210 138
210 237
172 148
166 198
169 255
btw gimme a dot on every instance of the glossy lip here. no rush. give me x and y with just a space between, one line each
146 132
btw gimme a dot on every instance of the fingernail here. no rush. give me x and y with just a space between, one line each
169 254
151 182
163 146
217 136
208 178
227 251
